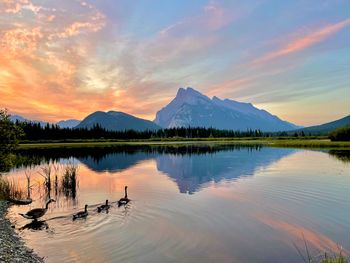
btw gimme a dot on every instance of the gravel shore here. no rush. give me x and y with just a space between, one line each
12 248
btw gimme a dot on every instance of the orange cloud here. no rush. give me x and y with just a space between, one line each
304 42
95 24
20 41
14 7
49 70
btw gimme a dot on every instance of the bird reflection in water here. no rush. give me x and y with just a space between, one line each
35 225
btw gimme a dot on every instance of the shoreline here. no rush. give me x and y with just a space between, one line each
12 247
270 142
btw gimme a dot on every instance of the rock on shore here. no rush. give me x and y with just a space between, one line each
12 248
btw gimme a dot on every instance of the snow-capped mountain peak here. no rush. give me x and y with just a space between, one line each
191 108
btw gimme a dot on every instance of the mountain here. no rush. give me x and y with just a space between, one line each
61 124
19 118
191 108
68 123
327 127
117 121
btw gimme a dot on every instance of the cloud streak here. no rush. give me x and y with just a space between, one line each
303 42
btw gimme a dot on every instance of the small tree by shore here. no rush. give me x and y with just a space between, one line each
9 138
9 133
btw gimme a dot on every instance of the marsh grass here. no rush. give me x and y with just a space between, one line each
10 189
333 257
46 174
59 180
69 180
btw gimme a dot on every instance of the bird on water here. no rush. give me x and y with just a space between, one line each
36 213
103 207
81 214
125 199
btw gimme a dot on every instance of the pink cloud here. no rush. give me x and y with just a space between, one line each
303 42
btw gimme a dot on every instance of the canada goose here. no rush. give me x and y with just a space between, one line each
37 212
103 207
125 199
81 214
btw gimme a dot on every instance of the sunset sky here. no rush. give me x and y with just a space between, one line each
65 59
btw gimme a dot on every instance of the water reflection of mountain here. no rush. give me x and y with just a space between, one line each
192 172
115 161
126 157
190 166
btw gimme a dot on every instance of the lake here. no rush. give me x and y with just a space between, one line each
189 204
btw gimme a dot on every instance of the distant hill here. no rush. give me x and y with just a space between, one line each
62 124
117 121
68 123
191 108
327 127
19 118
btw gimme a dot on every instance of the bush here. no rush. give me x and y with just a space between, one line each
340 134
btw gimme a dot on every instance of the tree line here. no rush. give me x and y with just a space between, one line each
34 131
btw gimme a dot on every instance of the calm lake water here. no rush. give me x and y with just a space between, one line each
191 204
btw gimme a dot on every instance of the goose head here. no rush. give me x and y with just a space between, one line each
50 201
